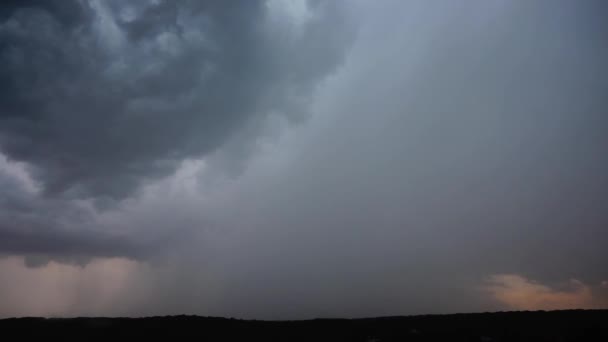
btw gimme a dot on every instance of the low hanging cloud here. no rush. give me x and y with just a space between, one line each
98 97
520 293
33 225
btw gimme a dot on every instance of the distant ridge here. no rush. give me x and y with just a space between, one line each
562 325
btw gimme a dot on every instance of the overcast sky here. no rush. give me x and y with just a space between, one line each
297 159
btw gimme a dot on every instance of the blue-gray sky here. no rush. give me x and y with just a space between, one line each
298 159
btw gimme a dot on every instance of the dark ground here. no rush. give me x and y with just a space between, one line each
570 325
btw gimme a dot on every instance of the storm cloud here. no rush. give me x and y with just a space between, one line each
99 96
304 159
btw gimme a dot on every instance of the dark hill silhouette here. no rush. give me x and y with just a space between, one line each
567 325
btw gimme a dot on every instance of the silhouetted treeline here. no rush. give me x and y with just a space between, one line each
570 325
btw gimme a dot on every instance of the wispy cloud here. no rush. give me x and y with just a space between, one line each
517 292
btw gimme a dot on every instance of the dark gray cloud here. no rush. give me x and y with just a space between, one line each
100 96
45 228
